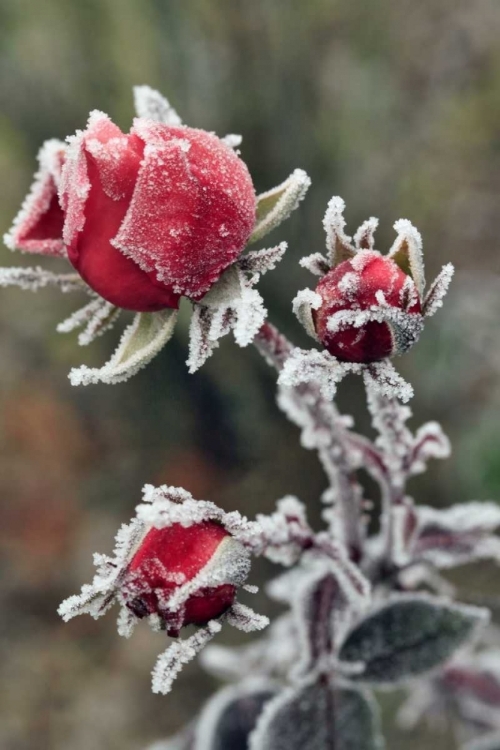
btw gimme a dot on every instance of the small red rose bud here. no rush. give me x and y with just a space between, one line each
171 558
367 281
155 214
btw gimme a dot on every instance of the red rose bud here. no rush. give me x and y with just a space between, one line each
367 282
181 574
154 214
38 226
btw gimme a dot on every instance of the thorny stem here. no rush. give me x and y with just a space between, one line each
331 443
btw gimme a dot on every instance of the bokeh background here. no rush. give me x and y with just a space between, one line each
393 105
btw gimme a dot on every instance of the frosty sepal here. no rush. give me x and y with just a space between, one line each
95 318
140 343
457 535
321 368
409 636
407 253
437 291
276 205
33 279
152 105
316 716
177 563
231 304
231 714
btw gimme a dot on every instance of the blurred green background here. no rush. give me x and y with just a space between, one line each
393 105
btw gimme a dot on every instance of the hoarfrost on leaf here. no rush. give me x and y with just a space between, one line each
317 716
140 343
409 636
276 205
364 238
316 263
96 317
244 618
321 368
304 303
33 279
150 104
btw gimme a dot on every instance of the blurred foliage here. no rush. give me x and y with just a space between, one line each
394 106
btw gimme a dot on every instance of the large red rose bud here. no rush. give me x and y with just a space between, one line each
154 214
176 560
367 282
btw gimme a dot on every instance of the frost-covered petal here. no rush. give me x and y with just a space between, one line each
38 226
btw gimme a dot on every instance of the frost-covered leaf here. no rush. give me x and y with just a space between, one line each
179 654
410 636
316 263
430 442
33 279
276 205
232 140
38 226
437 291
150 104
244 618
384 378
230 716
364 237
316 717
338 244
140 343
325 602
457 535
96 317
407 253
312 366
304 303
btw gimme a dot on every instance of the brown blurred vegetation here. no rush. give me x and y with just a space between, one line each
393 105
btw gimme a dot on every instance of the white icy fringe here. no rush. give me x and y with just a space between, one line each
142 340
96 317
407 252
276 205
150 104
231 304
338 243
179 654
33 279
321 368
437 291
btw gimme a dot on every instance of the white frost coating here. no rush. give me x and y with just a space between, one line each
429 442
312 366
281 536
245 619
437 291
45 185
232 140
179 654
338 243
74 186
405 327
304 303
276 205
231 304
140 343
98 317
364 237
407 252
316 263
383 377
453 536
33 279
150 104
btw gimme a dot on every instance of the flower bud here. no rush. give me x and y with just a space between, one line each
155 214
178 573
375 285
